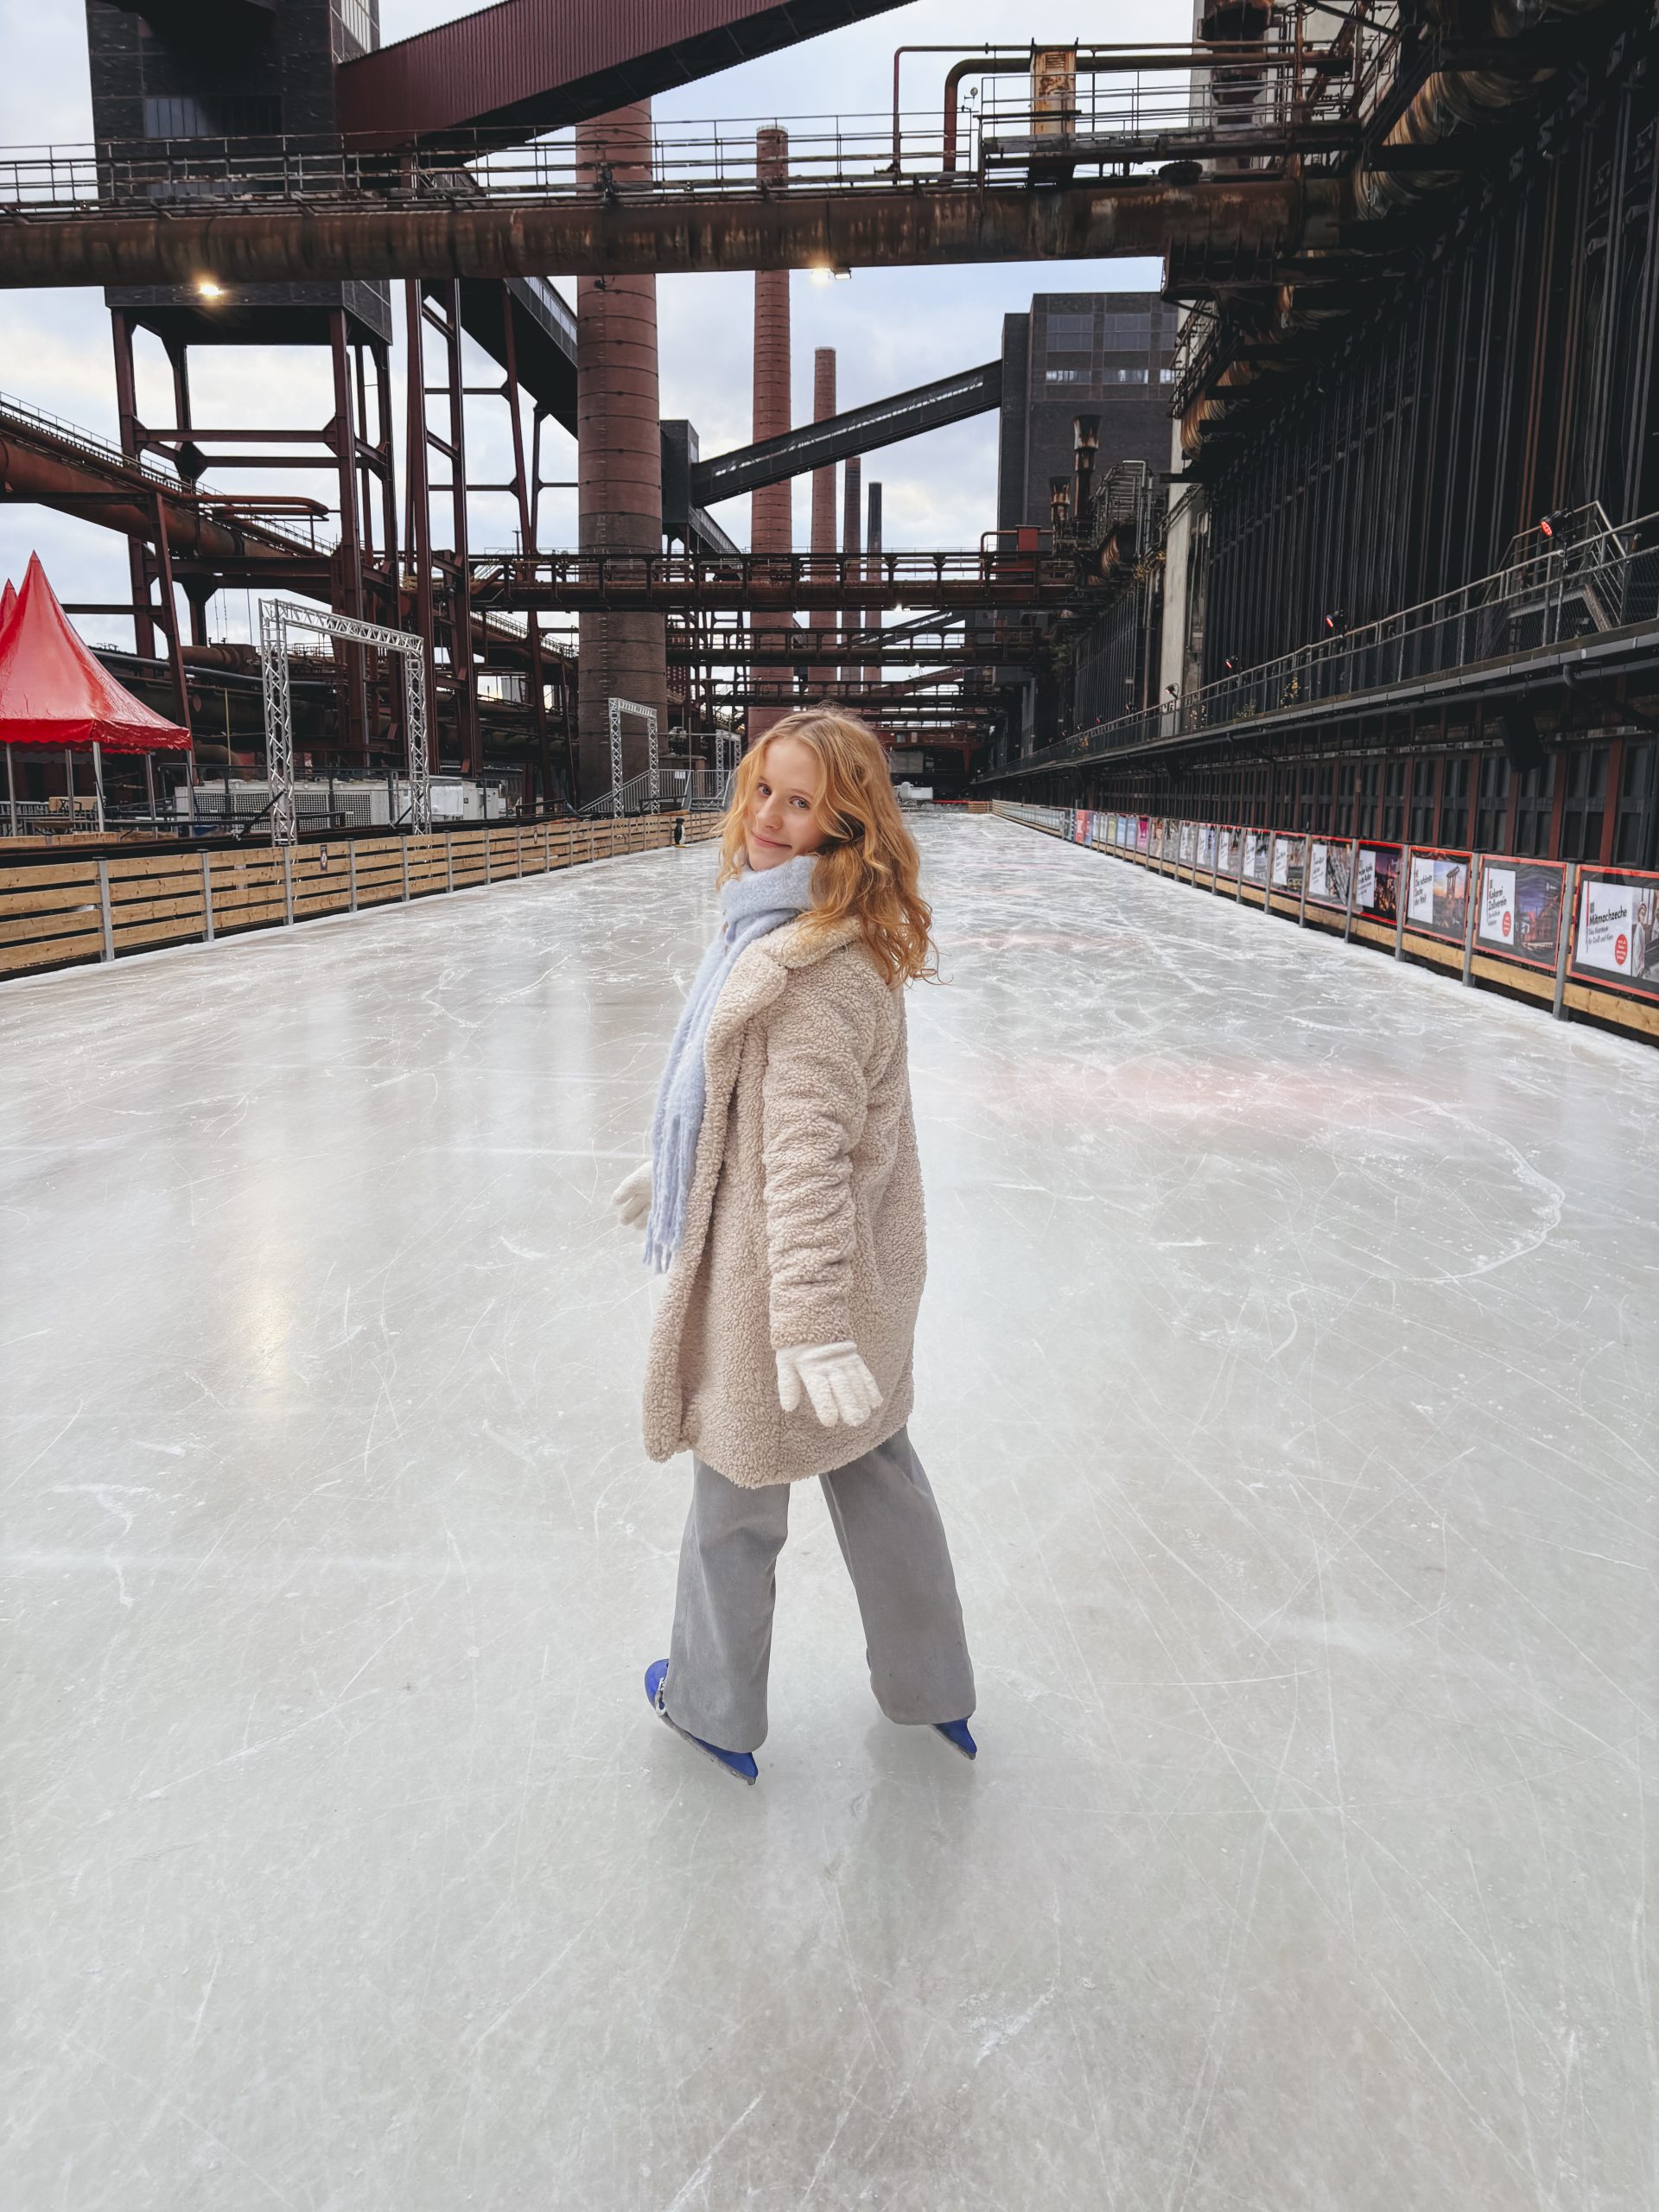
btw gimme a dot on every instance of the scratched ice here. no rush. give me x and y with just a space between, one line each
1288 1375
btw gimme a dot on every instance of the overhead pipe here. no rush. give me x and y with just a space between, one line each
26 473
1016 62
861 229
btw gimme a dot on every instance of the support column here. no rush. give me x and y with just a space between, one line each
772 523
824 495
852 536
873 566
618 463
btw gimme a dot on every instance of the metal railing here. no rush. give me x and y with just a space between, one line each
230 512
1144 119
1587 579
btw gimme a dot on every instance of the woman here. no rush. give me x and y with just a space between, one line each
783 1198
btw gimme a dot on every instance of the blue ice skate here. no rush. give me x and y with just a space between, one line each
955 1731
741 1764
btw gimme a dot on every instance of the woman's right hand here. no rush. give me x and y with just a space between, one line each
631 1196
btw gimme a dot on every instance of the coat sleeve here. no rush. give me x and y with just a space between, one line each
815 1097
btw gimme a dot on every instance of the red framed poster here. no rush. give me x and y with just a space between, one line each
1376 880
1288 848
1616 931
1437 893
1518 910
1330 871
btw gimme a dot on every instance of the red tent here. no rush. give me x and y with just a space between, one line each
8 605
54 692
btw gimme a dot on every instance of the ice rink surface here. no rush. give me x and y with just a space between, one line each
1289 1380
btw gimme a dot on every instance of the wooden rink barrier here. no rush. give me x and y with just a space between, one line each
1633 1008
63 912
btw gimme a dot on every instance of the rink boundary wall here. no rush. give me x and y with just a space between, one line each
65 913
1547 930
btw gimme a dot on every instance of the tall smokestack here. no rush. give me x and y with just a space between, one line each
618 471
772 527
823 491
852 537
873 566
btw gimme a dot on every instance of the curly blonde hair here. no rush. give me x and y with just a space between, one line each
867 866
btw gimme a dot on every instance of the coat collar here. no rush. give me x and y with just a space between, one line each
762 968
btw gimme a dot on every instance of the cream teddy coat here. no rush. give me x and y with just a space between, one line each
803 1224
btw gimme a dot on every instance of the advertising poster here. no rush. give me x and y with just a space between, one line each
1420 899
1189 842
1376 881
1257 853
1143 833
1207 846
1287 864
1437 900
1329 867
1081 821
1618 931
1224 841
1520 911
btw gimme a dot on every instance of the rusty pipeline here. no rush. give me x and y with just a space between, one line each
865 228
27 474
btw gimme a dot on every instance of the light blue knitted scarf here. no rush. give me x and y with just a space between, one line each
752 906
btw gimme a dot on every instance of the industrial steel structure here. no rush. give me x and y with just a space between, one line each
1408 584
1414 251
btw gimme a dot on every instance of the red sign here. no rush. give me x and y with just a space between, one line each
1506 921
1621 948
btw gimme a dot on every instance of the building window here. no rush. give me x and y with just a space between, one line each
1127 334
1069 334
1454 802
182 116
1166 376
357 22
1365 784
1586 792
1393 801
1535 801
1066 376
1636 798
1492 804
1124 376
1422 831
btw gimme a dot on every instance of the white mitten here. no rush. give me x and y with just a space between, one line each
836 1379
631 1196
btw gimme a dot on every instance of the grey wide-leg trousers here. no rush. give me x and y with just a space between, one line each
893 1541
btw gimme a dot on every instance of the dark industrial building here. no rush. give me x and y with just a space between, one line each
1109 355
1408 579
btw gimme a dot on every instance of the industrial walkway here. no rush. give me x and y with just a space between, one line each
1289 1378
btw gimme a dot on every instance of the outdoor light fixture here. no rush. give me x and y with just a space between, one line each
829 273
1230 665
1336 622
207 289
1551 522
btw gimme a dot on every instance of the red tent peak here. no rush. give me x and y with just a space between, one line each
54 691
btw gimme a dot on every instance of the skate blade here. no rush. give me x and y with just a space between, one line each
697 1745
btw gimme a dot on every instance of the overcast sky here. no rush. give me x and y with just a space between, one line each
891 327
